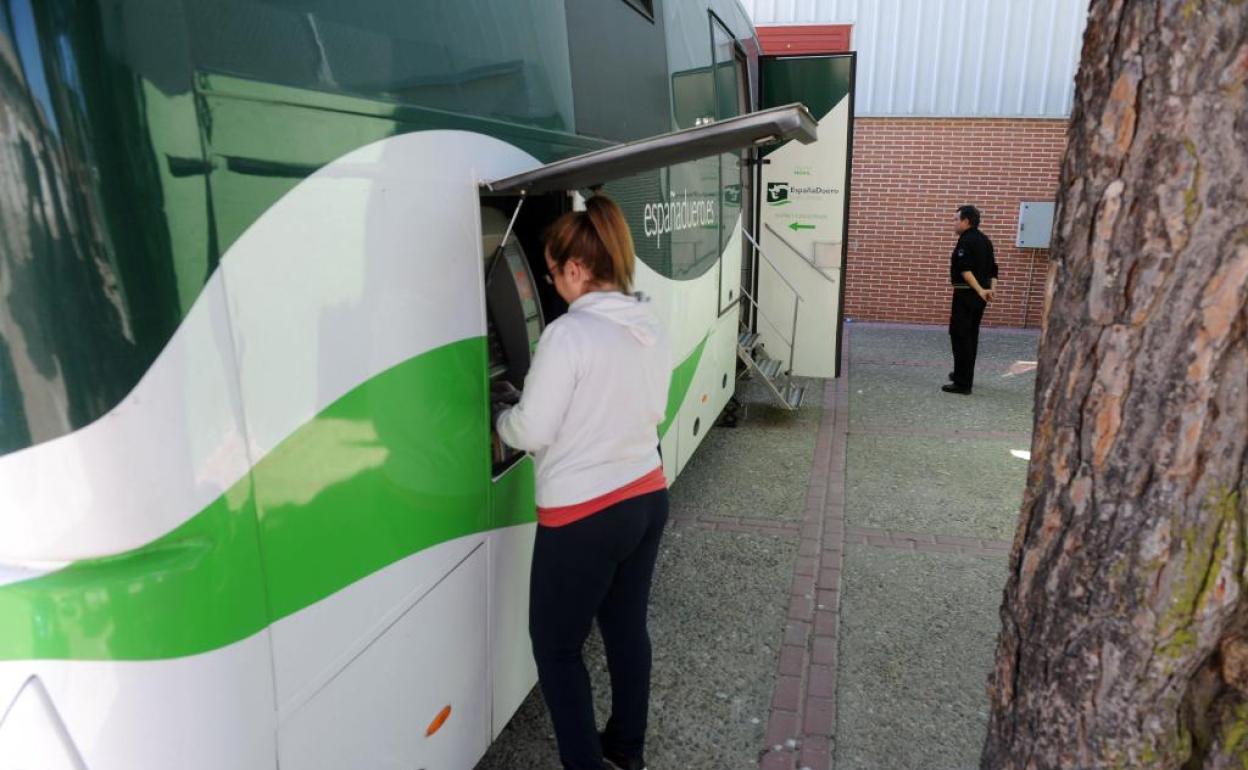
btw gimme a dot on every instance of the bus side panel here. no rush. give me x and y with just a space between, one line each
699 306
511 656
201 712
415 698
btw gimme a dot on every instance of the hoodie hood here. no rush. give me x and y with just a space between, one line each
631 312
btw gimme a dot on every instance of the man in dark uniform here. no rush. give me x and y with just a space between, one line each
973 272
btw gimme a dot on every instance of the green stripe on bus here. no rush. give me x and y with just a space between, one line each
682 380
397 465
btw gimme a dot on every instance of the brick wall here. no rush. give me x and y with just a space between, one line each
909 177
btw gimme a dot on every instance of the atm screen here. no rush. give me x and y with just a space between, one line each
528 295
514 319
514 316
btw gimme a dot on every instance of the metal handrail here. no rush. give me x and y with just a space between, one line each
800 255
797 298
763 254
754 302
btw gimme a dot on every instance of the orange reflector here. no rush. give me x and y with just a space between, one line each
438 721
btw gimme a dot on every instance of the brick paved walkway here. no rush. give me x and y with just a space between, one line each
803 714
802 726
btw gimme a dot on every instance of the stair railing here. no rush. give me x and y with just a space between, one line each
749 298
797 300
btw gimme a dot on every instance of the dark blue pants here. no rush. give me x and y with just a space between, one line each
598 567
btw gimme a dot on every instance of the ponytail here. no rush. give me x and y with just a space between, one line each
612 230
599 239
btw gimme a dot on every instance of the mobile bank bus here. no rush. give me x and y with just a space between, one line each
259 263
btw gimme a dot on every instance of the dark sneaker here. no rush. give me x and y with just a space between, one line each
619 763
952 388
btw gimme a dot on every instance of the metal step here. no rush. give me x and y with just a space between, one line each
788 394
794 394
747 340
769 367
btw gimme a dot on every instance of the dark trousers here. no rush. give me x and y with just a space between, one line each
964 318
600 566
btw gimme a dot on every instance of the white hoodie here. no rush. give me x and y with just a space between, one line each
593 399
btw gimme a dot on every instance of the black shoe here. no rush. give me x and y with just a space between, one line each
954 388
619 763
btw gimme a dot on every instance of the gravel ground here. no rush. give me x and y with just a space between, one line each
921 484
760 468
918 630
909 396
917 637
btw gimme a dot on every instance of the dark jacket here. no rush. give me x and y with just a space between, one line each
974 252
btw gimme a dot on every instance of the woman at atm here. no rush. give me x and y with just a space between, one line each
592 402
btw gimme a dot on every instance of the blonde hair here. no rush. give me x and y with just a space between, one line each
598 238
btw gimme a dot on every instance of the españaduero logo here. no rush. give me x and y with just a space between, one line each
783 193
777 193
680 213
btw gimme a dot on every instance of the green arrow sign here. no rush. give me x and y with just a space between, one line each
794 226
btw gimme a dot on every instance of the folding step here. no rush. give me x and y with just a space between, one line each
794 394
769 367
788 395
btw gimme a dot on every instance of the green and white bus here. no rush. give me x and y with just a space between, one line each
259 262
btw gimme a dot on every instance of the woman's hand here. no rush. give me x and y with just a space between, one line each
503 392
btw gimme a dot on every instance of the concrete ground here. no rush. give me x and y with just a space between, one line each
827 593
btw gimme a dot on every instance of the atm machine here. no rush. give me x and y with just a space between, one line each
514 317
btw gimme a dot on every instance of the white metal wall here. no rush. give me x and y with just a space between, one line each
983 58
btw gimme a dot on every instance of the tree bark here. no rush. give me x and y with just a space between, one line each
1124 640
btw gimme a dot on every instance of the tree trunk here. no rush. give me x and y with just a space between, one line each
1124 640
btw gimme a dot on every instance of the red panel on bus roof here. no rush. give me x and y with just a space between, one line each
796 39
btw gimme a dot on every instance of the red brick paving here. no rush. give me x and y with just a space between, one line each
802 720
776 761
792 660
781 728
824 651
806 565
819 716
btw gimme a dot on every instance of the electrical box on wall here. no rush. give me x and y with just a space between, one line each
1035 224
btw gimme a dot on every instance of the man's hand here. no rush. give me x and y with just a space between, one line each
984 294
